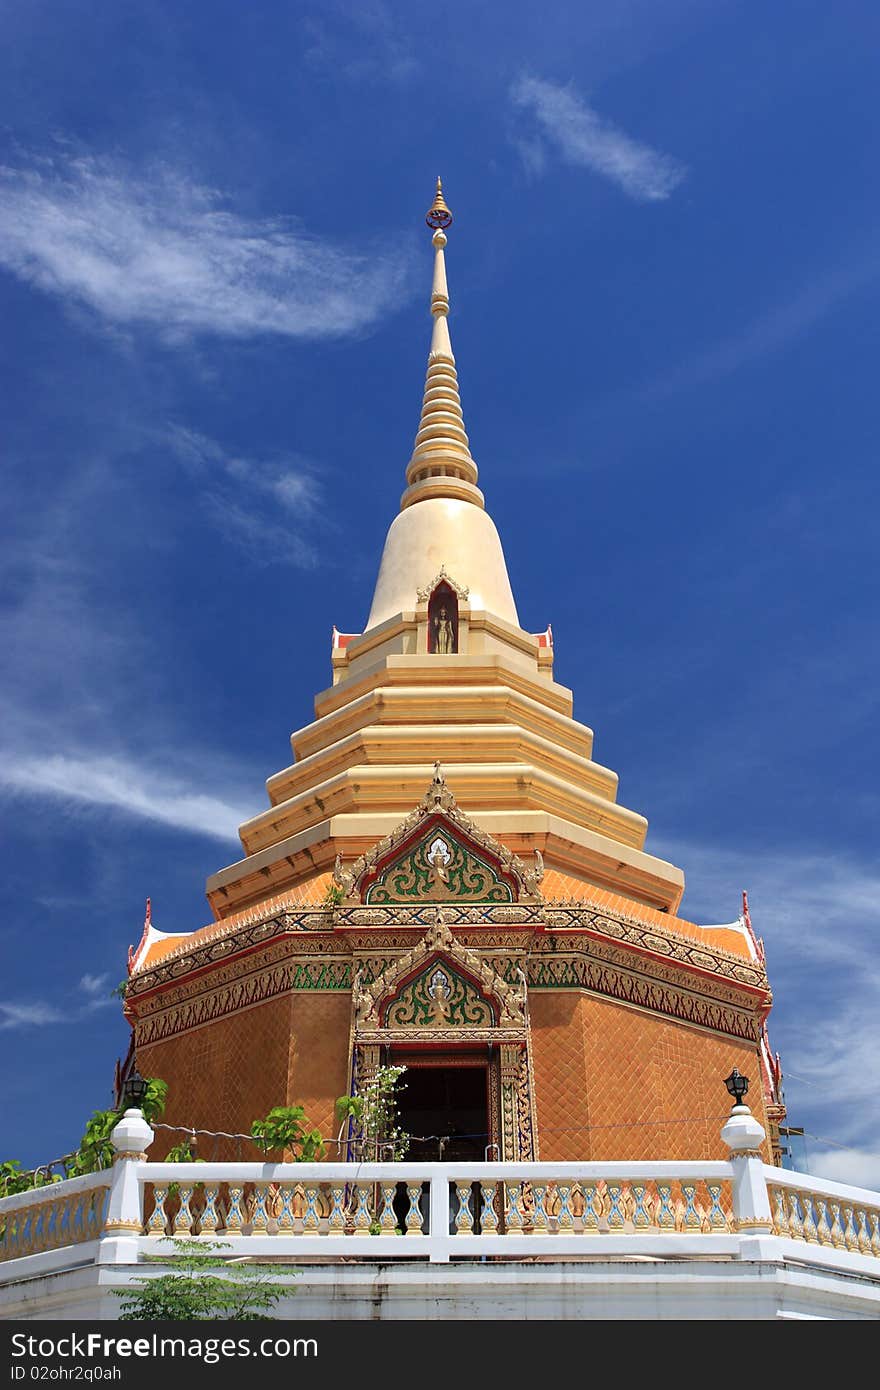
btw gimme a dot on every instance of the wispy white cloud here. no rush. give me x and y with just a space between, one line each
263 505
583 137
41 1013
159 249
93 984
35 1015
121 785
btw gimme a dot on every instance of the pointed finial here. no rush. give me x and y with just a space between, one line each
439 215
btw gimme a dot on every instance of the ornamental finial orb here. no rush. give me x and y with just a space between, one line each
439 215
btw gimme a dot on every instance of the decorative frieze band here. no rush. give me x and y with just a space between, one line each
484 926
612 972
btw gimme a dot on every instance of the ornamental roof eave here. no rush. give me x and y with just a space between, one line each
539 924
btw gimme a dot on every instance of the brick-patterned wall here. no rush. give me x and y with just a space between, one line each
289 1051
630 1085
560 1064
319 1058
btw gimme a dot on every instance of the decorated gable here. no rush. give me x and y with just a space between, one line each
438 854
439 997
438 866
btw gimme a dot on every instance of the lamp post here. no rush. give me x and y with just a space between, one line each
131 1138
743 1135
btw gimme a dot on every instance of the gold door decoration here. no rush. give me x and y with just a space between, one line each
441 994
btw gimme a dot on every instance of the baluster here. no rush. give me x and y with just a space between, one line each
63 1222
564 1219
513 1216
414 1211
98 1213
259 1218
823 1229
388 1220
665 1212
540 1223
780 1215
209 1219
616 1214
38 1224
864 1234
795 1224
850 1234
363 1217
640 1216
183 1220
809 1221
590 1214
52 1225
488 1214
874 1217
464 1221
234 1216
158 1220
336 1219
691 1219
310 1217
837 1237
717 1219
286 1218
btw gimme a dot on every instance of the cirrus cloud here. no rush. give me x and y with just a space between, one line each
581 136
162 250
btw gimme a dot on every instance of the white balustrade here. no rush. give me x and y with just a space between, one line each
734 1208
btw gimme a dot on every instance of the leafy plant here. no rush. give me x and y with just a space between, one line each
13 1178
373 1111
285 1128
95 1150
181 1153
194 1294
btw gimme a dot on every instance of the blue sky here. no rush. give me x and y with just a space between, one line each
214 276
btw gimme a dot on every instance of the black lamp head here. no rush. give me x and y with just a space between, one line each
134 1090
737 1085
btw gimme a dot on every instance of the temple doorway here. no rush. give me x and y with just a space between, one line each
446 1111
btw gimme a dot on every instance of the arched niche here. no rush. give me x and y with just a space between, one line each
443 620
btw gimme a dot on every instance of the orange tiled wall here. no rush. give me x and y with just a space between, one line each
288 1051
614 1083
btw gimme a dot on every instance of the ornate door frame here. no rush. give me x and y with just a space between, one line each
440 997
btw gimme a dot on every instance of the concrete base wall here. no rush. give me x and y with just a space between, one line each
499 1290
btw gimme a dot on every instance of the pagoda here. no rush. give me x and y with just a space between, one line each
444 880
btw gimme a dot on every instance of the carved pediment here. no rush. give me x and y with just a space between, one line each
423 595
438 854
439 984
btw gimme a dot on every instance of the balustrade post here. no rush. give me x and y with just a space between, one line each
751 1201
438 1231
125 1210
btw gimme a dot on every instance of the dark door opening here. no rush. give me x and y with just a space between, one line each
446 1111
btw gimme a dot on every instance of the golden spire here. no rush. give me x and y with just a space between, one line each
438 213
441 463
